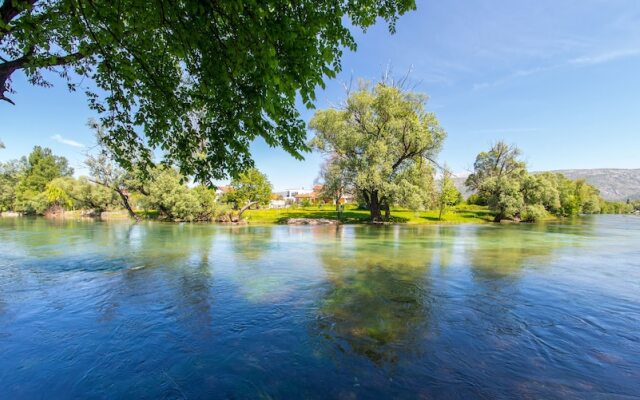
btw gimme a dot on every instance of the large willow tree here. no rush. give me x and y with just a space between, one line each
387 141
197 79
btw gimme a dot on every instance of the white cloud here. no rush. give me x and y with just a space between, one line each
605 57
584 61
69 142
521 73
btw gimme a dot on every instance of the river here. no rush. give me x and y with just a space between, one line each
153 310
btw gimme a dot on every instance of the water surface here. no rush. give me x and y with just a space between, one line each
113 310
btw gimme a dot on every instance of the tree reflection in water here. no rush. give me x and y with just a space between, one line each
257 271
382 296
503 251
378 302
173 311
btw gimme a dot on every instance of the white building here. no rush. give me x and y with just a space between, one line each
289 195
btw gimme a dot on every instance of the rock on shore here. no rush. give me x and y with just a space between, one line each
312 221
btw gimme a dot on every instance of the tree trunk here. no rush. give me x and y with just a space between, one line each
164 211
245 208
374 207
387 212
125 202
123 196
365 196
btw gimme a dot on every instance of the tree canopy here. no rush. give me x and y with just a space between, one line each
10 174
106 172
40 168
387 141
497 175
198 80
166 192
448 194
249 188
499 162
500 180
335 180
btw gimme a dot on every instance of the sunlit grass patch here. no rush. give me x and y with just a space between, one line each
351 215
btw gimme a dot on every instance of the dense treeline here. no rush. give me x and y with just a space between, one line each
381 145
43 183
501 181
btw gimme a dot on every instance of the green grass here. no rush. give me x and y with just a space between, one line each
351 215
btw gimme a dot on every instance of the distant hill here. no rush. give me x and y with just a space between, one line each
614 184
458 181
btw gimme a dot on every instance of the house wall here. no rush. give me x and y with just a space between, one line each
290 194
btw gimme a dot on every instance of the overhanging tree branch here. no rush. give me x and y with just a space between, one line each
28 59
10 9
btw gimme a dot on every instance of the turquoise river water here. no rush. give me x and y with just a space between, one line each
152 310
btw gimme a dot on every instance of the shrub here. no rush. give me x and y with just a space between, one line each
224 213
475 199
534 213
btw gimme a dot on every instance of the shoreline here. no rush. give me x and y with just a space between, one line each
290 217
465 215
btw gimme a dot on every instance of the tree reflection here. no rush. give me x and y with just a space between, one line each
446 238
167 294
171 259
263 256
250 243
498 257
503 251
379 300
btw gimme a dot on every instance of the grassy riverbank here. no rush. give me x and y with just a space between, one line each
352 215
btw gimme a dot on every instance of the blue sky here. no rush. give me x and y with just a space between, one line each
558 78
